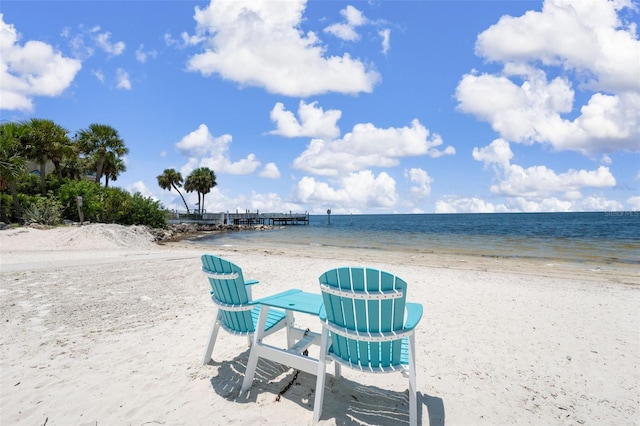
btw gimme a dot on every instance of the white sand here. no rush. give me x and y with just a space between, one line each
101 326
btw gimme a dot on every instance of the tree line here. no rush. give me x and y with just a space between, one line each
80 166
95 153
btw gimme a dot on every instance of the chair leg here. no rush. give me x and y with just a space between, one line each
252 363
413 403
321 376
212 341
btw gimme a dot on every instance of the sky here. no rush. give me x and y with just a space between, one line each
358 107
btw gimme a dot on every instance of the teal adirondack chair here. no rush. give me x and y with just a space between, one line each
231 295
368 326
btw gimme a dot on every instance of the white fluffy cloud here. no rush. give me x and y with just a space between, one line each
30 70
270 171
533 189
537 182
355 192
540 181
585 36
205 150
260 43
368 146
142 188
634 202
347 30
422 181
314 122
522 204
467 205
498 152
581 40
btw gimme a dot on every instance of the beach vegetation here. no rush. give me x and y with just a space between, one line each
45 141
44 210
101 141
47 177
146 211
12 164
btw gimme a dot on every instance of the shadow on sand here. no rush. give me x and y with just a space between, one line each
346 401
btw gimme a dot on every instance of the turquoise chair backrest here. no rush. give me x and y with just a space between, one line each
369 310
228 287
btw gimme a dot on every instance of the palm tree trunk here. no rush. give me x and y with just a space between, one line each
43 171
99 168
183 200
56 164
13 187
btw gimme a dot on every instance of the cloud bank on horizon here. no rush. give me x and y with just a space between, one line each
307 106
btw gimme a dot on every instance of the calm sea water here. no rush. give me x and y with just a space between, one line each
595 236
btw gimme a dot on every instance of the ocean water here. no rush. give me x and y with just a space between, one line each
606 237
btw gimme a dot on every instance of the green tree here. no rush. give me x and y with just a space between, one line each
92 200
147 211
74 166
98 140
62 150
12 162
45 141
201 180
112 168
170 178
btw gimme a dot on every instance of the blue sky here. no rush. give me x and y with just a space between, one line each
361 107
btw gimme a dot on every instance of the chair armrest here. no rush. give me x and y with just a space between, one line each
251 282
413 312
322 314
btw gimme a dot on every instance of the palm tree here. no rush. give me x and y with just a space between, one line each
170 178
45 141
112 168
190 186
100 139
201 180
62 149
74 166
12 163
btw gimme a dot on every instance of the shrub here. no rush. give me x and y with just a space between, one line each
29 184
43 210
92 206
146 211
6 207
116 205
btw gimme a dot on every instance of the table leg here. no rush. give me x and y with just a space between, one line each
290 323
253 355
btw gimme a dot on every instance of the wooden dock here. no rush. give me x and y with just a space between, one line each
268 218
246 218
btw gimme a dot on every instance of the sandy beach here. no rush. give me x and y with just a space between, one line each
103 326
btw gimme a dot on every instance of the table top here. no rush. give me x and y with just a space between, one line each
294 300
